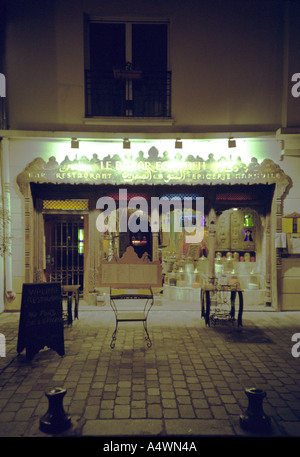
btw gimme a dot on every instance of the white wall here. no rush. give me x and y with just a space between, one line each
1 284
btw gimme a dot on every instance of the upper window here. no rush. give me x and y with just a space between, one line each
127 69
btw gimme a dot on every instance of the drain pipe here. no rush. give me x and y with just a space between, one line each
5 180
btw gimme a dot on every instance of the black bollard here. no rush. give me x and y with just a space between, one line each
55 420
254 418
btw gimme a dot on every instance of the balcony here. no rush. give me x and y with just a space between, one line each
124 95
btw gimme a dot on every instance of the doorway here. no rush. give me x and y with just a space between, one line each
64 244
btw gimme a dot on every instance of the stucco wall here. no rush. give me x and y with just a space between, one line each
226 58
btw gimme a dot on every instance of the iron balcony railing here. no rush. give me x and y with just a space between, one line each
145 95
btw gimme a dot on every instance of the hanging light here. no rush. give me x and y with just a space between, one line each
178 144
231 142
126 143
74 143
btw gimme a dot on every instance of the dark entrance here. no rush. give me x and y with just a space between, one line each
65 249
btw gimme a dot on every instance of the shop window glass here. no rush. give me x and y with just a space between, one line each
248 220
248 235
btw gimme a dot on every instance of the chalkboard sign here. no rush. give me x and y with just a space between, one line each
41 321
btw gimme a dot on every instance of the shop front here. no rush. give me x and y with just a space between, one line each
241 215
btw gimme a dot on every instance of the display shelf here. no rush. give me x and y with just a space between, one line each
185 283
192 295
247 274
236 255
186 294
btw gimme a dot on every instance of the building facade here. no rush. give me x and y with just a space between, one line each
171 99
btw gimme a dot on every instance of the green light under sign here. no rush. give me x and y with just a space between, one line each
80 241
248 220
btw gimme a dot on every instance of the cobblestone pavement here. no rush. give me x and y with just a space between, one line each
191 382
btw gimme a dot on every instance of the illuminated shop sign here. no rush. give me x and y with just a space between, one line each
151 170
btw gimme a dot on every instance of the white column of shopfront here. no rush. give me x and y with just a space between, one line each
212 222
8 287
1 234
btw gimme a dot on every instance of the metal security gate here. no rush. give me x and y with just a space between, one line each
65 249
